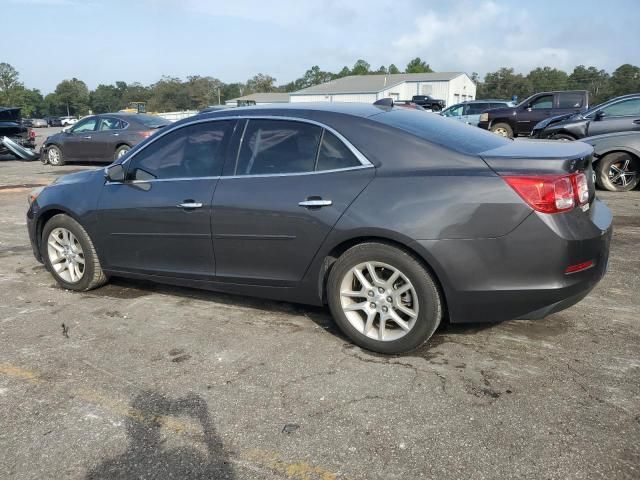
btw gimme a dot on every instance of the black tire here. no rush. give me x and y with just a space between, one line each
502 129
54 156
623 161
563 136
428 295
93 275
121 150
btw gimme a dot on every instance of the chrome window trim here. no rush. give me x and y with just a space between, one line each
361 158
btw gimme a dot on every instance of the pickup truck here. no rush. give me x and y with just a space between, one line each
12 128
520 120
426 101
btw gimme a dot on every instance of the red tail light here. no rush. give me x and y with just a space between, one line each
578 267
551 193
146 133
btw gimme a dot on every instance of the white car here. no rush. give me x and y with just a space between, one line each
66 121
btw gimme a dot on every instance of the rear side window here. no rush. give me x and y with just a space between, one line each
152 121
190 152
570 100
278 146
334 154
110 124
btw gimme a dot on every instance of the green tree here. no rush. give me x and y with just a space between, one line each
361 67
591 79
51 105
417 65
382 69
105 98
345 72
29 100
9 81
547 79
74 96
233 90
203 91
393 69
625 79
504 84
169 94
261 83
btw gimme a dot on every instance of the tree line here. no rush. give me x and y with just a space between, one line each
73 97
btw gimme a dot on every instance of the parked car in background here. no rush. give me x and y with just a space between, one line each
616 160
53 121
39 123
519 120
11 127
428 102
27 122
100 138
621 114
469 112
66 121
408 104
348 205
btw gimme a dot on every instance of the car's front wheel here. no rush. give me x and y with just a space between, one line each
54 156
502 129
69 254
383 298
618 172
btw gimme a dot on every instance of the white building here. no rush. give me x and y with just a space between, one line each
452 87
258 99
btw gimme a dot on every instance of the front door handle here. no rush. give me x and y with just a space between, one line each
88 137
316 203
189 204
115 134
637 122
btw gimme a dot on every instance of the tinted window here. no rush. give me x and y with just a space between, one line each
570 100
334 154
193 151
625 107
435 129
477 108
278 146
86 125
110 124
546 101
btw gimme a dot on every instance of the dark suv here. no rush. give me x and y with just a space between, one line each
520 120
621 114
11 126
426 101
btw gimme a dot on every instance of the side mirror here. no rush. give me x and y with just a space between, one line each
114 173
599 115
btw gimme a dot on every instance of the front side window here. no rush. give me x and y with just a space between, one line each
86 125
334 154
540 103
278 146
193 151
454 111
624 108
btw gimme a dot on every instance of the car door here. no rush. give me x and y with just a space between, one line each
473 111
288 186
536 110
158 221
455 112
622 116
106 138
77 140
569 102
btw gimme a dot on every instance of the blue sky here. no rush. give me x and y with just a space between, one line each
101 41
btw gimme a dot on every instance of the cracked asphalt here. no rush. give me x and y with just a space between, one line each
153 381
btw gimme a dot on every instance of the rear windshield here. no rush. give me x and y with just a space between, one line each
152 121
442 131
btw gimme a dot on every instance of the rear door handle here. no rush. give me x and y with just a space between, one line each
317 203
88 137
189 204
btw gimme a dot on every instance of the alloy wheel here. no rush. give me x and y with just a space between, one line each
501 131
379 301
122 152
621 173
66 255
53 156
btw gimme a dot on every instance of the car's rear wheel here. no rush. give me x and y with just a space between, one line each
618 172
69 254
121 151
502 129
54 156
383 298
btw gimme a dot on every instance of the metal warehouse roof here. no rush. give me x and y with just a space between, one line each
374 83
266 97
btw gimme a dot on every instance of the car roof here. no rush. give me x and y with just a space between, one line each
303 109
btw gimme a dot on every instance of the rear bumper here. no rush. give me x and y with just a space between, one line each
522 274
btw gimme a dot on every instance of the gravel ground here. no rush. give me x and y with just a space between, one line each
136 380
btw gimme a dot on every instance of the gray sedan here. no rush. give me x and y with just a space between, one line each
100 138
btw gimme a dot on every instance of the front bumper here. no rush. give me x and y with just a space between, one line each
33 233
484 124
522 274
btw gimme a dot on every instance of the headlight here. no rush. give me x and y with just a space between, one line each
33 194
484 117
